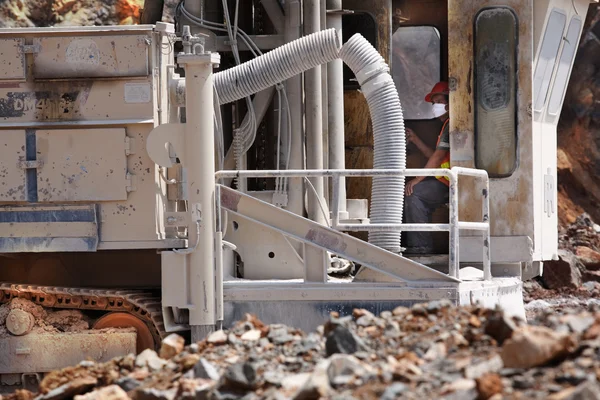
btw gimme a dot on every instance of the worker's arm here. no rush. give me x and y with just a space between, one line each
423 148
434 162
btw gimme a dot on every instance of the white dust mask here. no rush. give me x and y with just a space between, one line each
439 110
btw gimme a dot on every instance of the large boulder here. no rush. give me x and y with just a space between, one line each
565 272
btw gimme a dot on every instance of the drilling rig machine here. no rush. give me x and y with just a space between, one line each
173 178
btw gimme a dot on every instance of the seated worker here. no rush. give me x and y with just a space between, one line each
425 194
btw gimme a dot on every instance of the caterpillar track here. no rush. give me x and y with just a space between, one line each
143 304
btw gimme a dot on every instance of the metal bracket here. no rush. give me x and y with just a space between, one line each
131 180
177 219
33 164
30 48
196 211
129 146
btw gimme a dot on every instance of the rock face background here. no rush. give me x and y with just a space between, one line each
579 130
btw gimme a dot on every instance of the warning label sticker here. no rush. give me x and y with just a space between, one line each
138 93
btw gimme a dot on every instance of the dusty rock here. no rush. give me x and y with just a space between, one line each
488 386
585 391
241 376
474 371
128 384
394 391
69 390
317 385
217 338
563 273
112 392
500 327
205 370
149 358
171 346
589 258
532 346
155 394
343 367
252 335
341 340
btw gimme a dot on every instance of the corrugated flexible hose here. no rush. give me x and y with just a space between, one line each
387 194
278 65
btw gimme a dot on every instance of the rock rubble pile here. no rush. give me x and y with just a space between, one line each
431 350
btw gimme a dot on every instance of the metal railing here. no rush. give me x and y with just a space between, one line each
453 227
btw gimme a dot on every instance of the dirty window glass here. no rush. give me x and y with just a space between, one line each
547 58
495 91
416 68
564 65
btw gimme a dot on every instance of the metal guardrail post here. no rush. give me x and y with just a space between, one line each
335 202
454 228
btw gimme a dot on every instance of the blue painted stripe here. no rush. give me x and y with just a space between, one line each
48 216
31 174
44 244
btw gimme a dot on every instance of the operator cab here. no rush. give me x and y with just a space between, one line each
507 64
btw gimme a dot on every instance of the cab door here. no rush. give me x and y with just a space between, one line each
490 76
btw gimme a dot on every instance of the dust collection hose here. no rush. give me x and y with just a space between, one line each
276 66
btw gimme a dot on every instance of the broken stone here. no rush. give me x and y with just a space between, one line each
128 384
588 257
586 391
294 382
155 394
562 273
489 385
71 389
241 376
205 370
343 365
500 327
171 346
532 346
436 351
251 336
149 358
217 338
112 392
317 385
492 365
591 276
579 323
341 340
394 391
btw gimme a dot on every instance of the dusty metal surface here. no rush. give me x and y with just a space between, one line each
91 57
511 208
47 352
12 185
52 228
82 165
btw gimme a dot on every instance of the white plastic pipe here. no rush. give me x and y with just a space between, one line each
387 195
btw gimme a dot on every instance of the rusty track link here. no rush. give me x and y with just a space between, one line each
142 304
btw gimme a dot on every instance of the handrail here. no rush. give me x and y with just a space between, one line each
453 227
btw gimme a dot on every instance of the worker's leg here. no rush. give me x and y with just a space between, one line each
418 207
